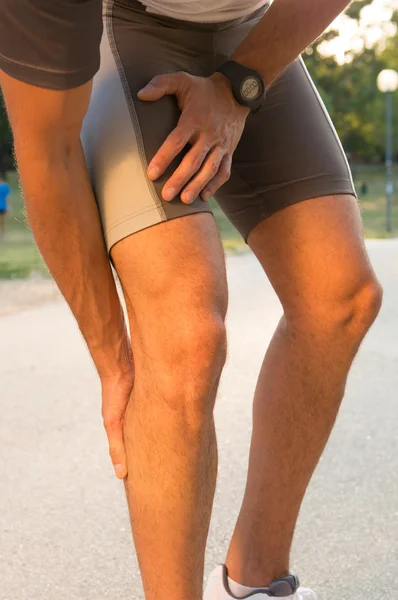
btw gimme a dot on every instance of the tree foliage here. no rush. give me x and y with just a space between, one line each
350 91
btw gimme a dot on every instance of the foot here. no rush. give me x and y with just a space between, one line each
287 588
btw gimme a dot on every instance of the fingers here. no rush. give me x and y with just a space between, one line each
173 145
214 172
116 393
208 172
190 165
223 174
114 431
198 161
162 85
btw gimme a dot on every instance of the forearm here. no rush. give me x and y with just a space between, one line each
64 219
286 29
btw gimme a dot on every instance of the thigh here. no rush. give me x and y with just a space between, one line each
174 281
314 255
289 152
122 134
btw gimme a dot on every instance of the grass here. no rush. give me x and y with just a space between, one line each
19 256
373 204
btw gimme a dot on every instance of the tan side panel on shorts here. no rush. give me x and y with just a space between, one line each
117 169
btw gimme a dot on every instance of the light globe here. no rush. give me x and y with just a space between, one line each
387 81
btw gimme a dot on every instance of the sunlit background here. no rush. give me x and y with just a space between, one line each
374 26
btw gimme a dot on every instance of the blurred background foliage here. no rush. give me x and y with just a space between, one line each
350 92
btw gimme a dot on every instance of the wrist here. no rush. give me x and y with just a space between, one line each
247 85
112 355
224 83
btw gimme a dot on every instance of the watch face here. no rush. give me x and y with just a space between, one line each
251 88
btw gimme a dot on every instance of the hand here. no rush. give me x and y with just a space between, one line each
116 392
211 122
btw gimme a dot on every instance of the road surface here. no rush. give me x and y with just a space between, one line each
64 531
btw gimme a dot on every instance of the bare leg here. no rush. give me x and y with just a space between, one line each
314 255
173 277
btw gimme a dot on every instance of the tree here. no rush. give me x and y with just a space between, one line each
350 91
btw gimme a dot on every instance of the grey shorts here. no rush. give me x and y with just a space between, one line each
288 152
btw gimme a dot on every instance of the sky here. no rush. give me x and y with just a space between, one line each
375 25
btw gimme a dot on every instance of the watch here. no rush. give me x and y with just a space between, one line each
248 86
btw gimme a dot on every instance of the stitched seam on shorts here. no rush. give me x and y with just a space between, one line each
41 69
133 214
130 217
304 180
328 119
130 104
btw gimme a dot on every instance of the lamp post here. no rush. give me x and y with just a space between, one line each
387 82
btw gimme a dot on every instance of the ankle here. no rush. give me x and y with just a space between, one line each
256 574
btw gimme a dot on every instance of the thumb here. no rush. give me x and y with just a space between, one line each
114 432
159 86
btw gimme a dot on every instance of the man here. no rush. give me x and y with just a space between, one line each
165 131
4 193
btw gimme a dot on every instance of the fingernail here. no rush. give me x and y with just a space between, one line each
169 193
153 172
119 471
205 195
188 197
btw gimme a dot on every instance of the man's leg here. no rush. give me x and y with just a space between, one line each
314 256
173 277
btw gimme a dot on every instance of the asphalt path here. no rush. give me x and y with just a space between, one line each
64 530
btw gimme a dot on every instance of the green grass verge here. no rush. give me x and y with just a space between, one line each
373 204
19 256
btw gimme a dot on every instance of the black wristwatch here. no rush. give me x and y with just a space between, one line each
248 86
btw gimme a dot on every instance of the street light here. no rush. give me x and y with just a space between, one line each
387 82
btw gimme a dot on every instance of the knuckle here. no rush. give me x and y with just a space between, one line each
223 133
183 75
186 127
214 167
111 421
205 140
197 161
159 79
180 141
161 161
114 453
178 183
225 172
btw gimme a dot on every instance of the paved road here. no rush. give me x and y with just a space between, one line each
64 532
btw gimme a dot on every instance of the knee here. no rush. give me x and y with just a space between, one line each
346 312
356 312
200 351
363 307
188 363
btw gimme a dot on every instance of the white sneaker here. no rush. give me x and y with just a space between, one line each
288 588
